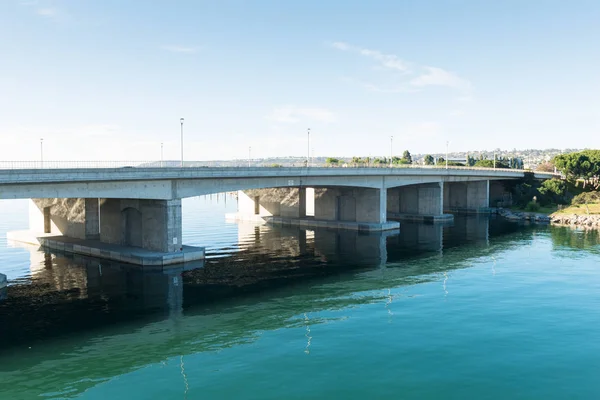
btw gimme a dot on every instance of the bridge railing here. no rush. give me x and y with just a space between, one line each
241 164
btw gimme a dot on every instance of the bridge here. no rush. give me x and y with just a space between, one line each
133 214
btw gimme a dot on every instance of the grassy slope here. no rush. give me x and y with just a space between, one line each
580 209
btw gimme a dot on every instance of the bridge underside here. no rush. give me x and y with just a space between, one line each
362 209
367 209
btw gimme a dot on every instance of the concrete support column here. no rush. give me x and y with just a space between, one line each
149 224
302 202
92 219
420 202
478 195
467 196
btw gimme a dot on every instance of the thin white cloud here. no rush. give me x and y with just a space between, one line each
47 12
413 75
181 49
389 61
439 77
292 114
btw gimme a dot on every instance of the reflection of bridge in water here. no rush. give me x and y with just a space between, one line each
158 315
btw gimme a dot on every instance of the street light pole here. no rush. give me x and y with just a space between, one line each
494 158
181 121
308 148
42 152
161 154
391 149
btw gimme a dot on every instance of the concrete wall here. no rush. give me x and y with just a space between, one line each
468 196
424 199
150 224
76 218
351 204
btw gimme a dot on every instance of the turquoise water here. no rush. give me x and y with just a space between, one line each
483 309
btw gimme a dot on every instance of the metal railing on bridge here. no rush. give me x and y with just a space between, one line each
239 164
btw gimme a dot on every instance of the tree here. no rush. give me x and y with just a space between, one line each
406 157
583 165
555 190
332 161
470 161
440 160
490 164
429 159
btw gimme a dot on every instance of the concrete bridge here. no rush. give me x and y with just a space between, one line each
134 214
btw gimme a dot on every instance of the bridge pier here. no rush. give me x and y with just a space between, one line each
362 209
421 202
143 232
467 197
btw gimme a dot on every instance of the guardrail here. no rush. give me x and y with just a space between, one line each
241 164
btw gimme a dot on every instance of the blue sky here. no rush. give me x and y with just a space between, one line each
106 80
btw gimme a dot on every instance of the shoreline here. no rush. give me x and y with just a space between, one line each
572 220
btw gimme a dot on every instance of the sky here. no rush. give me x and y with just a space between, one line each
110 79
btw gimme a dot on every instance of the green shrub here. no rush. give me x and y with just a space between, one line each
532 206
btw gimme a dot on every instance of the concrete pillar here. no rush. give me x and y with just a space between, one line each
393 200
478 195
467 196
149 224
351 204
302 202
418 201
92 219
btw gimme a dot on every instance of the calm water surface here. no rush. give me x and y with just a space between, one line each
484 309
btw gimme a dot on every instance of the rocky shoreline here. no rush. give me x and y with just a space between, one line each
587 221
523 216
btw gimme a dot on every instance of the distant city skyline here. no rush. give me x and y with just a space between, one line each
110 80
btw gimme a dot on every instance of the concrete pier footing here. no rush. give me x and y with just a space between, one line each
107 251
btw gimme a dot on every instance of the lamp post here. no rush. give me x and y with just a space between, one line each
161 154
181 121
308 148
494 159
42 152
391 149
447 143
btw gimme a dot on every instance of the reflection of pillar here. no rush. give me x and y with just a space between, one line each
302 241
175 293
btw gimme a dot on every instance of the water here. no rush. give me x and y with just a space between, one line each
484 309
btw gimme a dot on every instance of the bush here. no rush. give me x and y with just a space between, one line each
532 206
586 198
